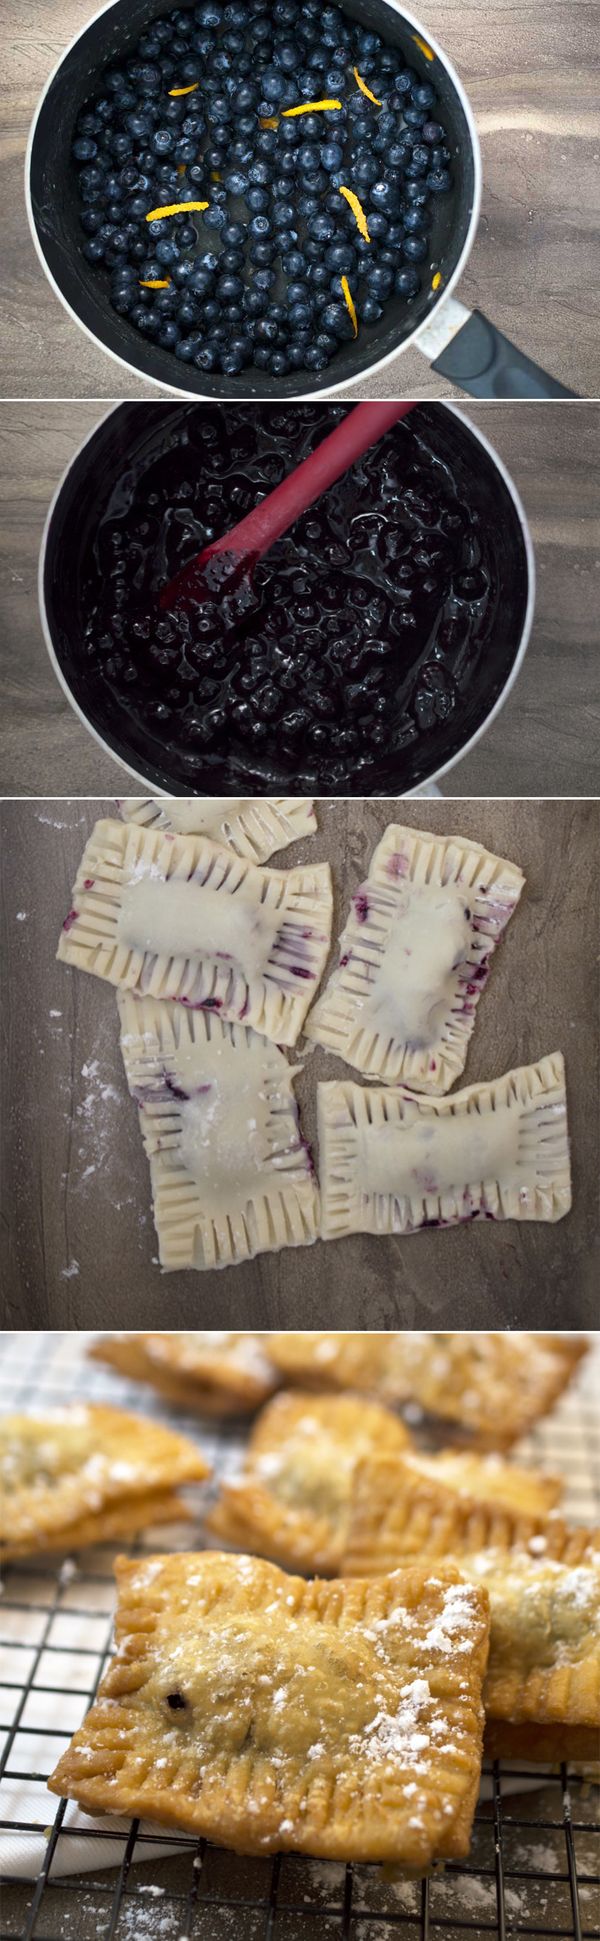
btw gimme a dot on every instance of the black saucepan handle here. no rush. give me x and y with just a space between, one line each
487 365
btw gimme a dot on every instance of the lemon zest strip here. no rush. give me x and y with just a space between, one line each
349 302
310 108
436 280
174 209
268 121
364 89
427 51
191 90
154 283
357 211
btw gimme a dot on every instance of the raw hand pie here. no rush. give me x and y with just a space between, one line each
231 1175
292 1500
85 1474
215 1372
253 828
414 958
393 1163
271 1714
178 917
542 1689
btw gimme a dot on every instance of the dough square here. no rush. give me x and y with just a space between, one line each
292 1501
394 1163
84 1473
270 1714
414 958
216 1371
543 1579
254 828
230 1172
179 917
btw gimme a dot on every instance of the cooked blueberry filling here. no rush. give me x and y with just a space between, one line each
176 1702
357 647
292 230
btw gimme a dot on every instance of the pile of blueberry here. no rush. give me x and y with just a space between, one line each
256 279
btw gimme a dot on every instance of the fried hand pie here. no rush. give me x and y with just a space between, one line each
269 1713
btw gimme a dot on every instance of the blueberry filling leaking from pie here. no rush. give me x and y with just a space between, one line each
385 621
301 160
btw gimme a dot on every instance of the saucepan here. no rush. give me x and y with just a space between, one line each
462 346
100 476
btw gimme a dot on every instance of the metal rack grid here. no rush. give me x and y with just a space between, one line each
533 1868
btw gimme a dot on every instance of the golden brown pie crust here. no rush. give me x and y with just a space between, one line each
292 1500
342 1720
543 1578
85 1473
214 1373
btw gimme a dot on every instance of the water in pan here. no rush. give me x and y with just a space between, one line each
371 615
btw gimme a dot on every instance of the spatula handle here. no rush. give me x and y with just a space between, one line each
363 427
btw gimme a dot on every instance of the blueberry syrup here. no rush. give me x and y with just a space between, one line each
360 905
371 616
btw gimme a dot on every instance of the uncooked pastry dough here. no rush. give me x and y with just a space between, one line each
414 957
393 1163
254 828
231 1174
178 917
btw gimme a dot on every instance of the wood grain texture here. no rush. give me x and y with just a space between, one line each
545 742
530 73
79 1244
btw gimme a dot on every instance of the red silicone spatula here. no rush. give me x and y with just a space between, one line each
226 565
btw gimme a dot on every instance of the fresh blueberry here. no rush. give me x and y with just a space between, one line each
332 155
423 95
407 283
370 311
416 248
340 257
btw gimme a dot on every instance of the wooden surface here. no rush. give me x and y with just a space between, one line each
529 71
79 1241
545 742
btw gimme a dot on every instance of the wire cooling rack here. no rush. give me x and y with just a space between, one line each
533 1868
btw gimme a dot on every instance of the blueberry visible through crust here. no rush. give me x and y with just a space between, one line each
273 192
176 1702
